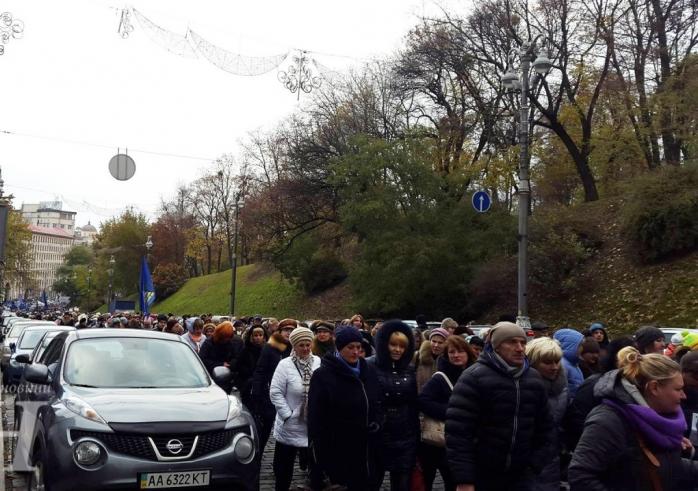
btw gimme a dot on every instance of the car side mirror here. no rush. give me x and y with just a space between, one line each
37 374
222 375
23 358
12 347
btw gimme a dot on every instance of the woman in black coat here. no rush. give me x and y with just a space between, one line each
433 402
398 385
633 440
277 348
343 415
254 339
221 349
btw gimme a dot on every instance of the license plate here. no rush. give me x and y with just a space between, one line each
164 480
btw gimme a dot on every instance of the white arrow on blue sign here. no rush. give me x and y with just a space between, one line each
482 201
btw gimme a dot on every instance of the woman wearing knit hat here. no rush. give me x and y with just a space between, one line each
289 394
343 419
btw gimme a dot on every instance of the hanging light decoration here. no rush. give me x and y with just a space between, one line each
299 76
125 26
10 28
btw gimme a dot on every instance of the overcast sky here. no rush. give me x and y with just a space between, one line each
73 78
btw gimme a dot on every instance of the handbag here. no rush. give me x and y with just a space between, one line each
433 430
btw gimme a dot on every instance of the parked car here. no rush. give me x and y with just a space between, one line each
27 341
10 340
127 409
670 331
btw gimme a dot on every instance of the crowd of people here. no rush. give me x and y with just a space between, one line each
506 409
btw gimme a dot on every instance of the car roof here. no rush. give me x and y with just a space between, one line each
122 333
48 327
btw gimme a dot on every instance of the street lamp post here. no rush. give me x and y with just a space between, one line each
112 261
89 286
233 279
520 82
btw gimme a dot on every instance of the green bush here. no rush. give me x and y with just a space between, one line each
168 278
661 214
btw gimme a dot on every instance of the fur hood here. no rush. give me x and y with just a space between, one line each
278 342
383 354
424 356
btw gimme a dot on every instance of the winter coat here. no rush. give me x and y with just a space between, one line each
321 349
286 393
549 478
579 409
433 399
244 369
398 386
690 411
425 365
196 346
609 457
272 353
498 425
216 354
343 421
570 340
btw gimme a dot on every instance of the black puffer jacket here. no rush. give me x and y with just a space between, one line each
215 354
498 425
273 352
343 421
398 386
433 400
609 458
245 366
580 407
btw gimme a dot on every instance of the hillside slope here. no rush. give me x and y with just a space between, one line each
258 290
615 289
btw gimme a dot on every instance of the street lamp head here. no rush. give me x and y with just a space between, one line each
542 64
510 80
149 243
112 261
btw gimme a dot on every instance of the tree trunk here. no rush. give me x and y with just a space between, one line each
581 161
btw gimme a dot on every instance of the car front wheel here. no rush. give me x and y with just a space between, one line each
37 478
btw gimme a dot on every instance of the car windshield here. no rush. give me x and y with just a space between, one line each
16 330
133 363
30 339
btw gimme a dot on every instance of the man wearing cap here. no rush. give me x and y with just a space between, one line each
540 329
650 339
498 425
429 351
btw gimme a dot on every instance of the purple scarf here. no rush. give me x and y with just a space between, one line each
658 431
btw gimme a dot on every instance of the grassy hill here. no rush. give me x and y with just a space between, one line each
614 288
258 290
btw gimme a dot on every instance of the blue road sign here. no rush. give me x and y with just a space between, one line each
482 201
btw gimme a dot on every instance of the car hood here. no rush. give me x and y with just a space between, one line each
156 405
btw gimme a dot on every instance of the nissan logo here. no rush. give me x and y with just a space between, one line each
174 446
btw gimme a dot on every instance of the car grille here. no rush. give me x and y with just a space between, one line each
139 446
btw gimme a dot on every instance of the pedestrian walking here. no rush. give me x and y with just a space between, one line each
277 348
194 337
433 403
343 415
289 394
221 348
254 339
589 357
323 342
598 331
650 339
633 440
498 424
545 355
571 342
398 385
429 351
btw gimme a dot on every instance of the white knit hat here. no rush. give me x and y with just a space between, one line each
300 334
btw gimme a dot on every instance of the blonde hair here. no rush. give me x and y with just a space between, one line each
544 350
400 336
642 369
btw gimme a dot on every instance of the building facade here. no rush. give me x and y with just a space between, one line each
49 245
49 214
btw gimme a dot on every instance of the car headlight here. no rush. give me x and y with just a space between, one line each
81 408
234 407
87 452
243 447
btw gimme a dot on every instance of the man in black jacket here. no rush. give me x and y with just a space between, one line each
498 424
